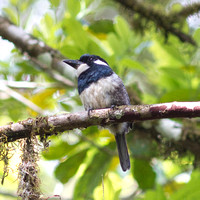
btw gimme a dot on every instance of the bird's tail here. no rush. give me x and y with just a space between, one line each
122 151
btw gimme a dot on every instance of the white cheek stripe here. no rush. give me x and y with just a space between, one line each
99 62
82 68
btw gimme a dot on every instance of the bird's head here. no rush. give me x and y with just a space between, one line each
85 62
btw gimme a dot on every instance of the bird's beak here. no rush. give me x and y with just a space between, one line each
73 63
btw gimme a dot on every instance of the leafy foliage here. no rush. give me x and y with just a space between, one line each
144 174
185 191
92 176
153 71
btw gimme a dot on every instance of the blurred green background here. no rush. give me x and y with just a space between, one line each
153 70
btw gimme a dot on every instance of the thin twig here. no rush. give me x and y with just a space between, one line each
103 188
8 194
55 75
21 99
29 85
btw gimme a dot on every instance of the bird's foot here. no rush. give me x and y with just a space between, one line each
89 111
113 107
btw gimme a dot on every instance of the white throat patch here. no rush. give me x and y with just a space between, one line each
82 68
100 62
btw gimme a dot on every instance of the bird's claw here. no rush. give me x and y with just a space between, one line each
89 111
113 107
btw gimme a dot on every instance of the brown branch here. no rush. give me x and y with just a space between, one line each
34 48
58 123
165 22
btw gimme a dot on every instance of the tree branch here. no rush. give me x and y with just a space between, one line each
165 22
53 73
58 123
34 47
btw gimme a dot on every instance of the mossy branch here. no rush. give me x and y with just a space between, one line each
33 48
50 125
167 22
186 11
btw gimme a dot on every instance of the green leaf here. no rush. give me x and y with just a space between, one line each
102 26
166 54
49 22
14 2
73 7
142 148
111 191
92 176
157 194
66 106
176 7
55 2
14 109
181 95
88 2
144 174
11 14
116 45
196 35
65 170
24 6
76 33
132 64
4 65
27 68
189 191
70 51
58 150
177 77
122 29
88 44
96 48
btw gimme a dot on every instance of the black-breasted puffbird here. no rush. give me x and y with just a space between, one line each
100 87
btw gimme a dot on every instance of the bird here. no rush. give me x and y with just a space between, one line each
100 87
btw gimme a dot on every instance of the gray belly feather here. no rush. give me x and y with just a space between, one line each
105 93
